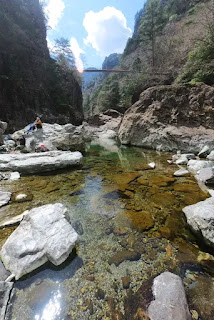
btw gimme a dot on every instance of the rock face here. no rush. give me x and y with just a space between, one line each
170 301
5 288
173 117
39 162
200 217
3 127
44 234
31 83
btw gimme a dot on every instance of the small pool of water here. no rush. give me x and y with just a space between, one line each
131 228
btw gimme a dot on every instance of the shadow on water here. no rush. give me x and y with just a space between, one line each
49 271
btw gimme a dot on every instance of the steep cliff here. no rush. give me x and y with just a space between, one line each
31 83
165 32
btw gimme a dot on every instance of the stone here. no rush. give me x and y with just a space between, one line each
141 220
200 217
22 196
182 160
211 156
5 289
39 162
100 294
206 175
167 117
186 187
152 165
204 152
13 221
126 282
44 234
4 198
14 176
124 255
196 165
169 299
181 173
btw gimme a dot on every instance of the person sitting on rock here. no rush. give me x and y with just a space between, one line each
38 123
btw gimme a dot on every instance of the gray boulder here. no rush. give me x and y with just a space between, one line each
196 165
170 300
211 156
5 289
200 217
4 198
39 162
204 152
206 175
44 234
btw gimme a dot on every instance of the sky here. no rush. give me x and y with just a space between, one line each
94 28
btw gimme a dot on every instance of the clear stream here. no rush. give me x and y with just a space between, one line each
131 228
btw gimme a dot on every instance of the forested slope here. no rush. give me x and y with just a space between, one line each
168 36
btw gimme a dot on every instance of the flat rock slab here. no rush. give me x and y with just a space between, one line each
39 162
196 165
170 300
181 173
4 198
200 217
5 289
44 234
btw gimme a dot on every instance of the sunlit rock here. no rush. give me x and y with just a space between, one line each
170 300
44 234
196 165
204 152
39 162
181 173
200 217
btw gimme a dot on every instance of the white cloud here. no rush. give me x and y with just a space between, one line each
107 30
77 51
54 10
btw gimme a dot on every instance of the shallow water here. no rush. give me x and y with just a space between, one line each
130 224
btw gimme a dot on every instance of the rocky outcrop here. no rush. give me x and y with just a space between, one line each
170 300
200 217
44 234
3 127
39 162
174 117
31 83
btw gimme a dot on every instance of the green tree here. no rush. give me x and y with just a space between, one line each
152 23
63 54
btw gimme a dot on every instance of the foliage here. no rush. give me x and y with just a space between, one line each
200 63
111 61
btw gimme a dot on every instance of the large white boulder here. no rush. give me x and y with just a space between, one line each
200 217
44 234
196 165
39 162
170 300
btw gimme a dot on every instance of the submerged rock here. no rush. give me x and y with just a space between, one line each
44 234
200 217
124 255
5 289
170 300
4 198
39 162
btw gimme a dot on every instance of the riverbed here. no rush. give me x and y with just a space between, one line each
131 227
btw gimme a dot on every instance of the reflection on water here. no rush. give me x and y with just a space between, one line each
130 224
52 310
